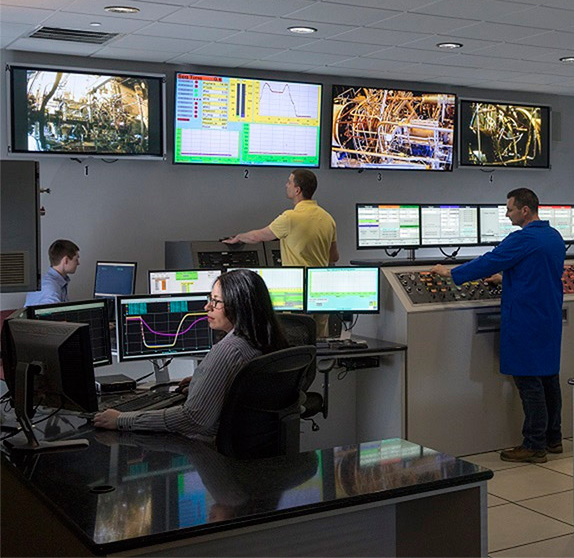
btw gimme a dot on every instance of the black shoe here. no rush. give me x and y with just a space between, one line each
521 454
556 447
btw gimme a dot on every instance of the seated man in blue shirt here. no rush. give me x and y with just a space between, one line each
532 262
64 260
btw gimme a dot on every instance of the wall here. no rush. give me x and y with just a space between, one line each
125 210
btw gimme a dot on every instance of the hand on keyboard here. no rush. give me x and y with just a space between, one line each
108 419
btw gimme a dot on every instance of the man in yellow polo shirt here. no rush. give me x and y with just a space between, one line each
307 233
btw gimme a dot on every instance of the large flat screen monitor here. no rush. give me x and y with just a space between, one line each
504 135
449 225
494 224
392 129
182 281
156 326
286 286
91 312
71 111
240 121
561 217
343 289
381 225
115 278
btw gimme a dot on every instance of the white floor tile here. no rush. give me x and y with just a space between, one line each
558 506
495 501
530 481
552 548
564 466
511 525
567 445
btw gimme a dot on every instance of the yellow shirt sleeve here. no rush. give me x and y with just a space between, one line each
281 225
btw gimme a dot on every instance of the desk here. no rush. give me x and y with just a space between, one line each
364 403
162 495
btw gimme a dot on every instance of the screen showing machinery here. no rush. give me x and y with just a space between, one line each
91 312
392 129
343 289
504 135
286 287
387 225
449 225
241 121
155 326
182 281
74 112
494 224
561 217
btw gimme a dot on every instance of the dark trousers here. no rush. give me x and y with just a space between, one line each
542 405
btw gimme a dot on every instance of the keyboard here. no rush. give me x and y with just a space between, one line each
151 400
342 344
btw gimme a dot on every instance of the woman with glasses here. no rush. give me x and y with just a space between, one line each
239 305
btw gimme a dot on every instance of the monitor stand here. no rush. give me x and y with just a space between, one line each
346 326
161 370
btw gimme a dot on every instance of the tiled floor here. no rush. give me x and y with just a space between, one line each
530 507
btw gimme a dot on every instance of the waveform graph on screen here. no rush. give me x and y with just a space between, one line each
287 100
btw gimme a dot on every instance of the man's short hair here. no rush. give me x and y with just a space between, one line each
524 197
306 180
60 248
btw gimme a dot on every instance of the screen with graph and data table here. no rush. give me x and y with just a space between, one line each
240 121
156 326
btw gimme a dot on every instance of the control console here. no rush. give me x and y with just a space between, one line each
568 279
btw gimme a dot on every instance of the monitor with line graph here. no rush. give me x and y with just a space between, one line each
240 121
182 280
156 326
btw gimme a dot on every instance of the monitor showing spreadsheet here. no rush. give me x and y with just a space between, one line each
182 281
449 225
494 224
561 217
384 225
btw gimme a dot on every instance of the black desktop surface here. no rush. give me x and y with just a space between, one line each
399 262
129 490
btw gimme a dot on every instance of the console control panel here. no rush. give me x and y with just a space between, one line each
568 279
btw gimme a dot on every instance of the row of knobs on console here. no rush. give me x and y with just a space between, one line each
568 279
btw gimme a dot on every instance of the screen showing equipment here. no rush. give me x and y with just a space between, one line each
343 289
156 326
561 217
387 226
115 278
240 121
494 224
449 225
182 281
91 312
504 135
286 286
67 111
392 129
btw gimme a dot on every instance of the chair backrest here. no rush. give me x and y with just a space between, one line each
300 329
260 415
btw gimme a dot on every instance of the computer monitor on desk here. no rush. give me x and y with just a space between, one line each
182 281
113 279
449 225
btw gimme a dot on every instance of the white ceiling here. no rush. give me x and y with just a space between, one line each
508 44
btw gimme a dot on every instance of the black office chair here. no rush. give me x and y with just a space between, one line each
301 329
261 412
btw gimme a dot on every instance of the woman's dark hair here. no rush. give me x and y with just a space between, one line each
248 307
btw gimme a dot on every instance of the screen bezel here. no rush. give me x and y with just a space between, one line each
107 262
75 70
309 270
120 333
32 315
460 161
387 168
386 246
243 164
451 244
198 269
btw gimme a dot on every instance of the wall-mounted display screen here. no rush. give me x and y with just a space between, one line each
85 112
561 217
504 135
392 129
449 225
382 225
494 224
241 121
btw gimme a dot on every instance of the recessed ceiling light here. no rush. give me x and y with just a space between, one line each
449 46
122 9
302 30
95 24
567 59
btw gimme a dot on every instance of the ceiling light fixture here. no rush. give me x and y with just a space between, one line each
567 59
122 9
301 30
449 46
95 24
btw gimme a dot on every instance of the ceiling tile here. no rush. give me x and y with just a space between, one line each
564 4
364 63
421 23
399 5
323 12
11 14
56 47
252 38
256 7
221 20
429 43
209 61
45 4
496 32
163 44
133 54
281 66
191 32
409 54
542 17
82 21
481 11
550 39
324 30
149 11
238 51
14 30
298 56
381 37
518 52
339 47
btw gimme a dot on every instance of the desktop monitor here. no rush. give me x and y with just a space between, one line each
449 225
286 286
158 326
115 278
91 312
343 289
494 224
182 281
380 225
561 217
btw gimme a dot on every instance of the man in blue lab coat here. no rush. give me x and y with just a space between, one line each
532 262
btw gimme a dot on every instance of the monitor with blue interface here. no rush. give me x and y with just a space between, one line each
182 281
115 278
343 289
561 217
449 225
385 225
286 287
156 326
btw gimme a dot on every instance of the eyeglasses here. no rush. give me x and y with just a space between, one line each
214 301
